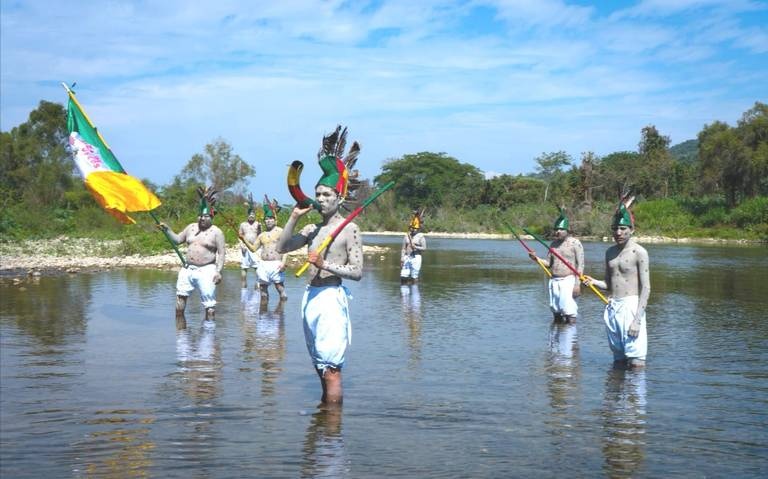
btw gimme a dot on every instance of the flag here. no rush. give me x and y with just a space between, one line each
115 190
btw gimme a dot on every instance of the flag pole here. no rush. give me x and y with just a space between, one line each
72 97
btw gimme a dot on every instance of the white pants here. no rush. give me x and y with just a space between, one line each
561 295
411 267
200 277
327 328
269 272
618 316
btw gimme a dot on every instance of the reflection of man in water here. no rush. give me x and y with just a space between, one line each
199 377
264 339
411 302
627 278
624 419
324 450
562 368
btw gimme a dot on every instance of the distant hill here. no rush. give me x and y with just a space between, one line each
685 152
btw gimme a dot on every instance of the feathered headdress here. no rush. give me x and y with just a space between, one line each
417 220
249 204
623 215
271 208
336 168
562 221
207 201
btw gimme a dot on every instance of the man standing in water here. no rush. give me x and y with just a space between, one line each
324 308
249 230
627 279
272 267
414 244
564 286
205 256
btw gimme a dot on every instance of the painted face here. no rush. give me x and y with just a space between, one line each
621 234
204 221
328 199
561 233
269 222
251 218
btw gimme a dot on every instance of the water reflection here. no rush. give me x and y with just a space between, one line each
120 445
198 376
624 422
324 452
263 337
563 379
411 303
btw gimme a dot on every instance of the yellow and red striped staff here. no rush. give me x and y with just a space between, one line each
581 277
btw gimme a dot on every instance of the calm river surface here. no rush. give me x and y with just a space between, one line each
462 376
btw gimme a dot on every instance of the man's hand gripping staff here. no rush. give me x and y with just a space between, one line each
344 223
581 277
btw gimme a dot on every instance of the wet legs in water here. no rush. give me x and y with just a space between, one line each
330 379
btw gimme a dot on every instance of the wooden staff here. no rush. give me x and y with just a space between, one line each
538 260
346 221
581 277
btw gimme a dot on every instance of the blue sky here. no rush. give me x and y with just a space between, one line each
491 83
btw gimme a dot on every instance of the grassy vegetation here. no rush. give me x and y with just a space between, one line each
700 218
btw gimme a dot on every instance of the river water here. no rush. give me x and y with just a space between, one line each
463 375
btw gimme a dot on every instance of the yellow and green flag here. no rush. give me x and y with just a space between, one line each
116 191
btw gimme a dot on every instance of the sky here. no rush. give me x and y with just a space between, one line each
491 83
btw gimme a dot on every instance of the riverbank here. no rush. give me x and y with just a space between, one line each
74 255
80 255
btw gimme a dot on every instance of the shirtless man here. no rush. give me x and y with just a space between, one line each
627 279
205 259
325 310
249 230
272 267
564 286
414 243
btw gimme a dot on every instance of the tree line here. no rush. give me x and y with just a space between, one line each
714 185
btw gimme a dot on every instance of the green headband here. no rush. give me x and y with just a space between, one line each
623 217
562 221
268 213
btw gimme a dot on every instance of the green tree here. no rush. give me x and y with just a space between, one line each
504 191
550 168
433 180
614 174
724 162
219 167
656 164
752 128
35 166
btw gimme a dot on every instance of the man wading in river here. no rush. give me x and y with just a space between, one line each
205 256
627 279
564 286
324 308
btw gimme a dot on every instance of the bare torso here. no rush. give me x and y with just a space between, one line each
203 245
249 231
268 242
572 251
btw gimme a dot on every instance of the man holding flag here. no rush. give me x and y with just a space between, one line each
206 251
272 264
